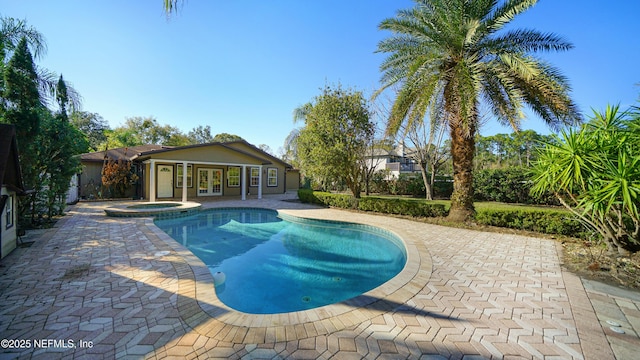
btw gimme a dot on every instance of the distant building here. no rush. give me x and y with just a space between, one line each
396 161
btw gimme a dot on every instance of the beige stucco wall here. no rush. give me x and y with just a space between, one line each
293 179
214 153
226 189
8 236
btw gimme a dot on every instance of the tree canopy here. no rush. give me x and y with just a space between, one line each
225 137
331 145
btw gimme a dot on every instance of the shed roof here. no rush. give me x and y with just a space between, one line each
10 173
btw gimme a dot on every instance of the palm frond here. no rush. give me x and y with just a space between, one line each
47 83
524 41
505 13
12 30
171 6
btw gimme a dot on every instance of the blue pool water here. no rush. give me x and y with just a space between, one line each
273 265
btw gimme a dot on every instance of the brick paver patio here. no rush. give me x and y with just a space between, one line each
122 288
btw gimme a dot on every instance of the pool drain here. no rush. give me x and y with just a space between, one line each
306 299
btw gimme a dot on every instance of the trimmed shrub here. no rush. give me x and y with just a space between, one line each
308 196
542 221
401 207
328 199
381 205
546 221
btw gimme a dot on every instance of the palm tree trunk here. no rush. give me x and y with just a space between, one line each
462 151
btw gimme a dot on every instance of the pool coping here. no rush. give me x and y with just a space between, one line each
182 209
393 293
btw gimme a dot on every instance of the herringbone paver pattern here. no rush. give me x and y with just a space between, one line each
121 284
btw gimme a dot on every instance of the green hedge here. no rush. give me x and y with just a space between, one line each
546 221
510 185
401 207
382 205
327 199
542 221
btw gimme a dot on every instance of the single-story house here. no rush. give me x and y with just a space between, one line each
12 186
195 171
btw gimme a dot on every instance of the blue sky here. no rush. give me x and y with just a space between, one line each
242 66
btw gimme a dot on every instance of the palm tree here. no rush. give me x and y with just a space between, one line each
12 31
448 56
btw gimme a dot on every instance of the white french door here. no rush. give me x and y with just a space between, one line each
209 182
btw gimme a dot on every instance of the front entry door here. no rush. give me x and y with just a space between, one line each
165 181
209 182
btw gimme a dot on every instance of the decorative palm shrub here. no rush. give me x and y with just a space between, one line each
595 173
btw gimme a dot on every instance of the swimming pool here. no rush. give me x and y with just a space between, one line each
276 263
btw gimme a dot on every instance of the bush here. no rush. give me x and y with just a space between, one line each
379 183
443 187
401 207
382 205
512 185
308 196
542 221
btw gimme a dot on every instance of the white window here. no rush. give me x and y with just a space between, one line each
272 177
255 176
233 176
9 211
179 176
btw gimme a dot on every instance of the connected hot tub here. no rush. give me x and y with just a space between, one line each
158 209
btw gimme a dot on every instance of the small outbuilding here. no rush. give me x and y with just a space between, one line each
12 186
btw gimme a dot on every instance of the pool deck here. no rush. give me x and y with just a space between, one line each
120 287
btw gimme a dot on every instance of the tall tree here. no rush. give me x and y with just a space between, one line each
331 145
22 107
427 151
20 94
450 55
200 135
92 125
59 142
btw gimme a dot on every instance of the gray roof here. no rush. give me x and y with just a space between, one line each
142 151
125 153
